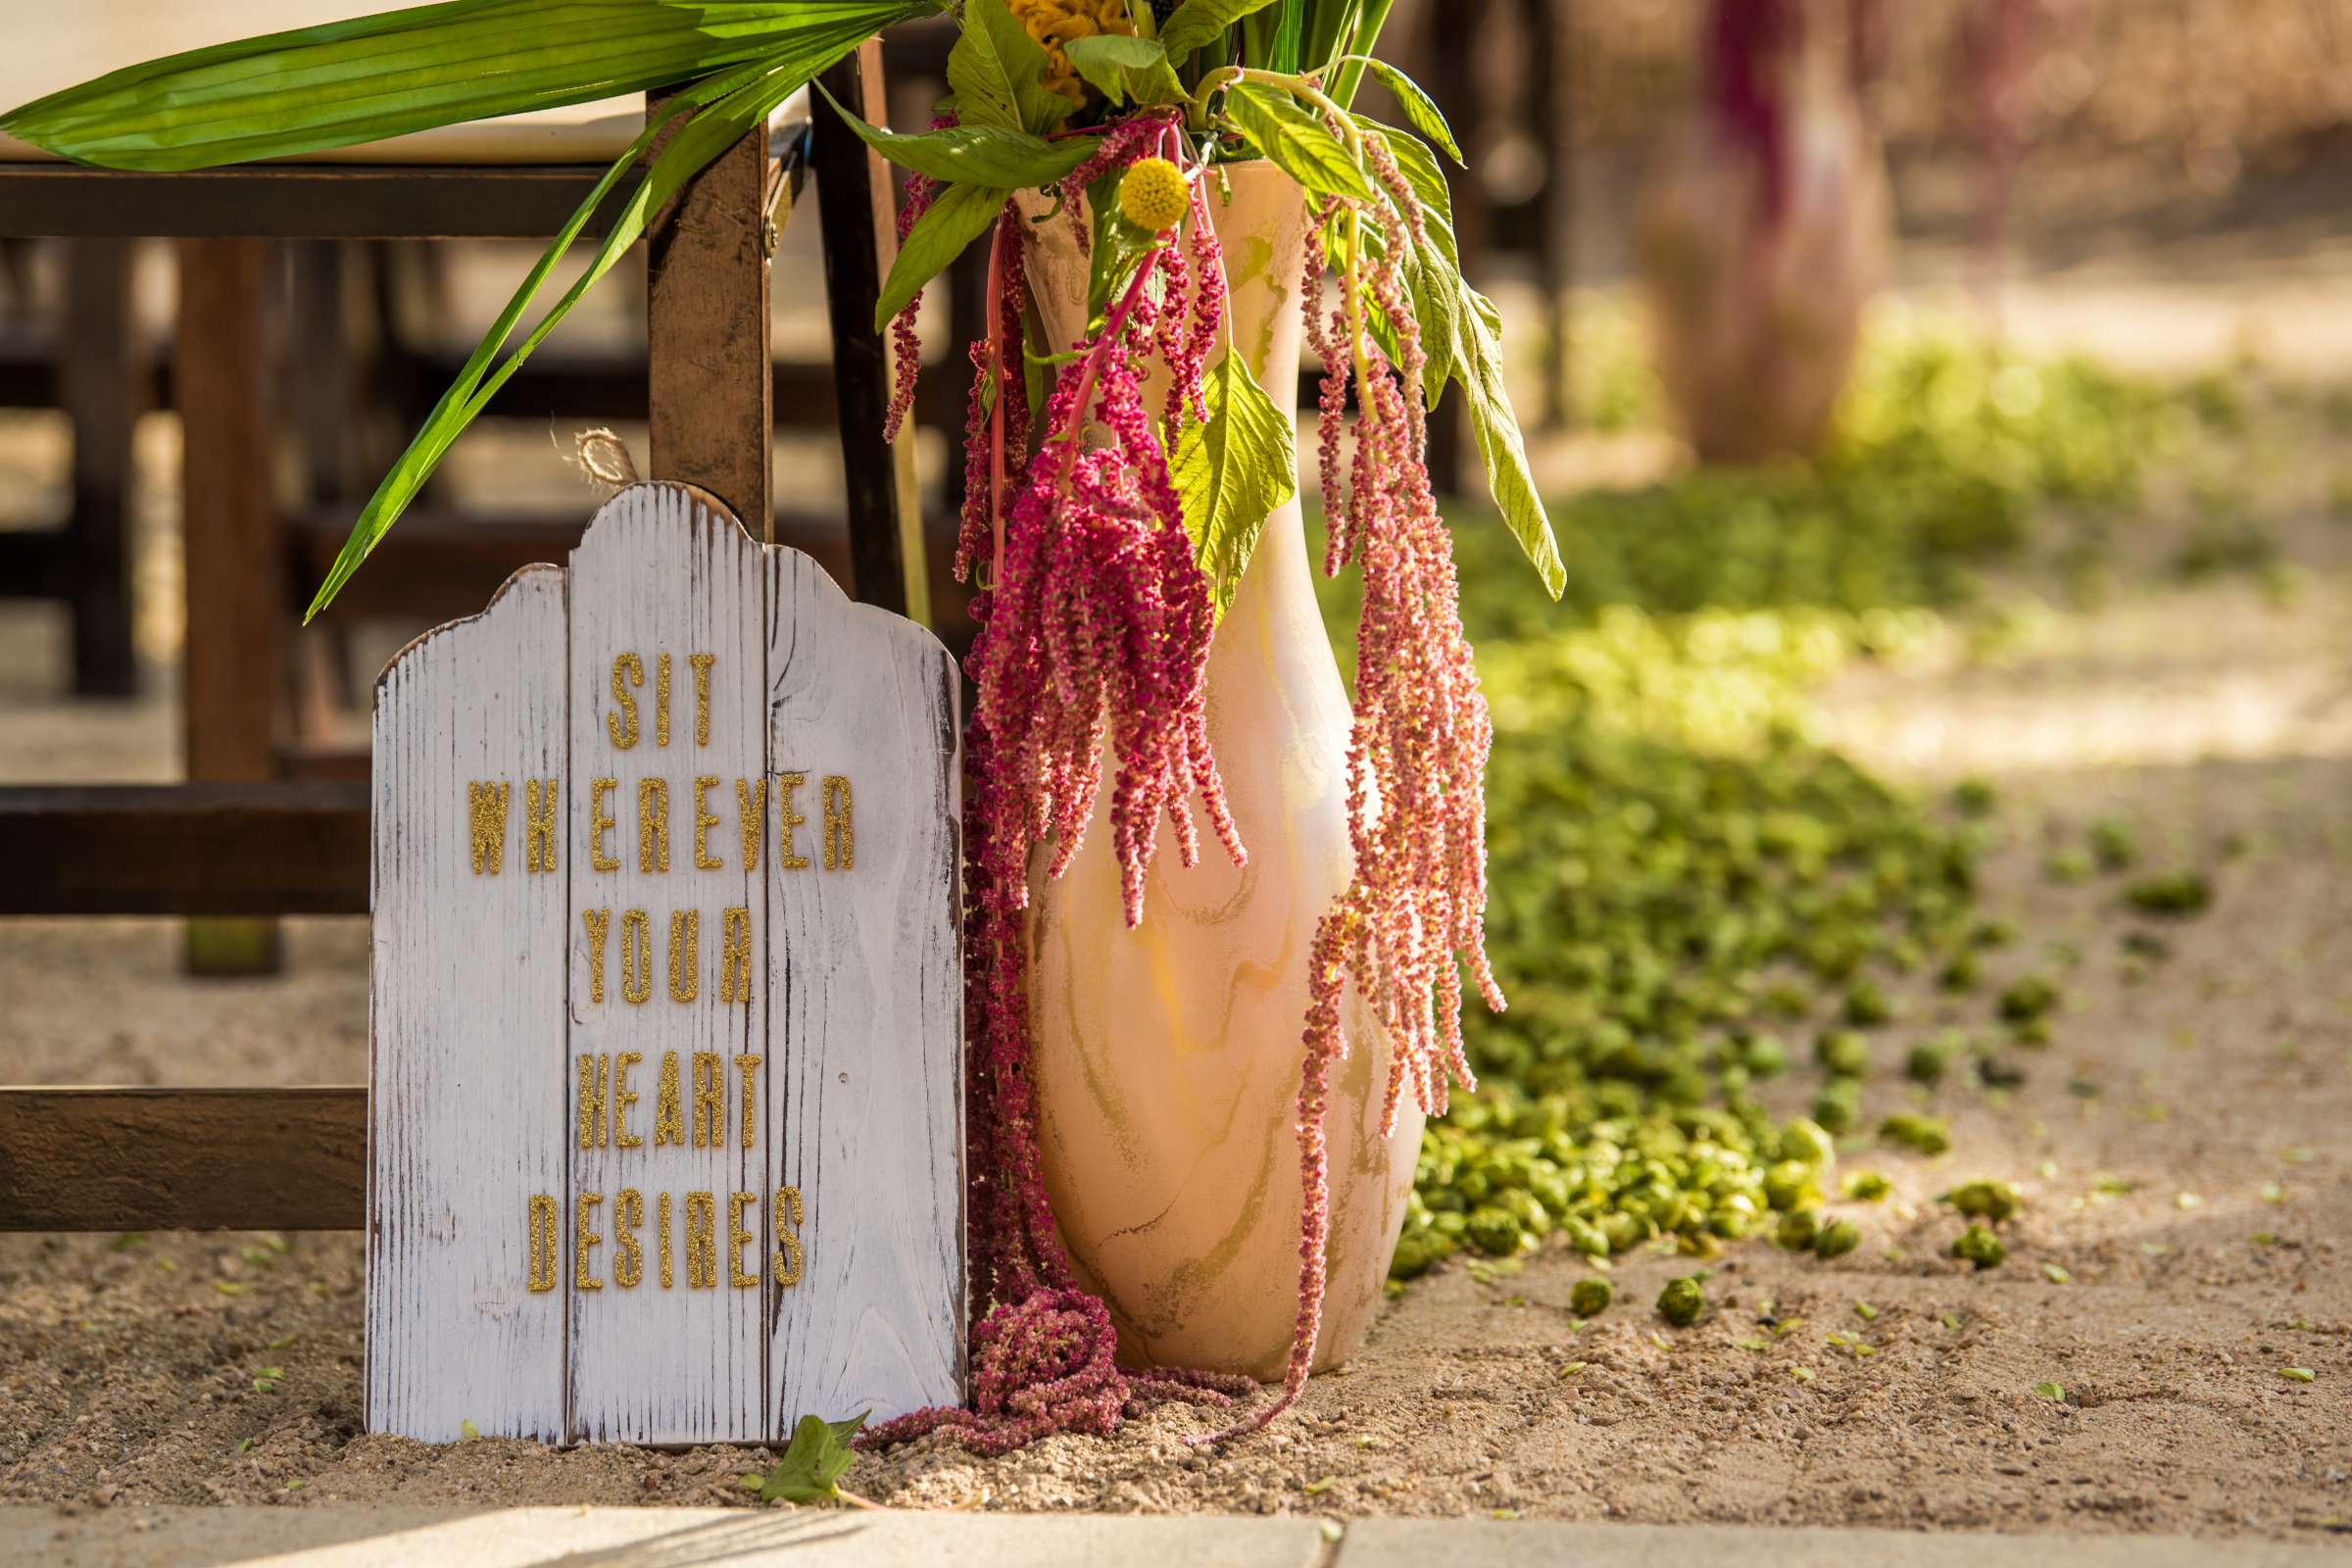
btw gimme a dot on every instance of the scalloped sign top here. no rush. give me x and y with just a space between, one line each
665 1063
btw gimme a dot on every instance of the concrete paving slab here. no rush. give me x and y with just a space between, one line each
638 1538
691 1538
1481 1543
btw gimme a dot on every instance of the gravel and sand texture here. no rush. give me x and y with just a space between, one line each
2179 1149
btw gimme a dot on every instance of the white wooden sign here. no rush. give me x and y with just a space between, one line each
665 1075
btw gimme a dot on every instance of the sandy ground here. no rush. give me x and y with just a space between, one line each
2209 1083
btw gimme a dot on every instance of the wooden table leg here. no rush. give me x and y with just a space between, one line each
857 211
230 675
97 385
709 384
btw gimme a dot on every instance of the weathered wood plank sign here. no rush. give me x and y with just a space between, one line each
666 1072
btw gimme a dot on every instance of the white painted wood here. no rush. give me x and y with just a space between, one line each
663 569
484 1002
867 980
467 1032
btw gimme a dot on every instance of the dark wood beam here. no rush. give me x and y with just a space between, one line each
153 1159
708 381
856 213
305 201
184 849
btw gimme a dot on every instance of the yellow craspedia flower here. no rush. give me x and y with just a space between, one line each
1153 195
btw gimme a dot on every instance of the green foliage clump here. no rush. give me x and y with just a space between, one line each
1979 1245
1591 1297
2170 892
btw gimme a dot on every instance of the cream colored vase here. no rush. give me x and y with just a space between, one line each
1168 1057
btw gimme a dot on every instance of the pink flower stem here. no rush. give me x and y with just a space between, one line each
1112 330
1007 233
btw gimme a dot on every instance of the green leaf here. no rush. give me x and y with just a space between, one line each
979 154
1231 469
2050 1391
1123 68
997 73
958 215
816 1460
284 94
1419 108
1296 141
1496 427
1197 21
726 106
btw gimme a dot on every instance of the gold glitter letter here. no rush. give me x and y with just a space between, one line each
599 924
685 954
623 1100
585 1243
627 671
751 805
636 956
841 831
595 1132
661 1223
704 819
709 1100
538 825
788 816
486 805
546 1215
599 824
738 1236
669 1122
629 1261
701 663
735 955
748 1066
788 1237
661 701
652 824
702 1242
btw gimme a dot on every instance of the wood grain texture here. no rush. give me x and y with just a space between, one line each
662 571
855 1007
867 978
184 849
467 1032
128 1159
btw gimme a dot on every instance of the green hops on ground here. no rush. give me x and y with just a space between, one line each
1418 1250
1495 1232
1979 1245
1808 1143
1867 1007
2028 998
1789 1185
1985 1199
1591 1297
2112 842
1843 1052
1765 1056
2172 893
1796 1230
2068 866
1928 1134
1975 797
1839 1106
1681 1301
1867 1186
1960 971
1930 1058
1837 1239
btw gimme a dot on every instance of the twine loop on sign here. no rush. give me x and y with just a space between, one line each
604 459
